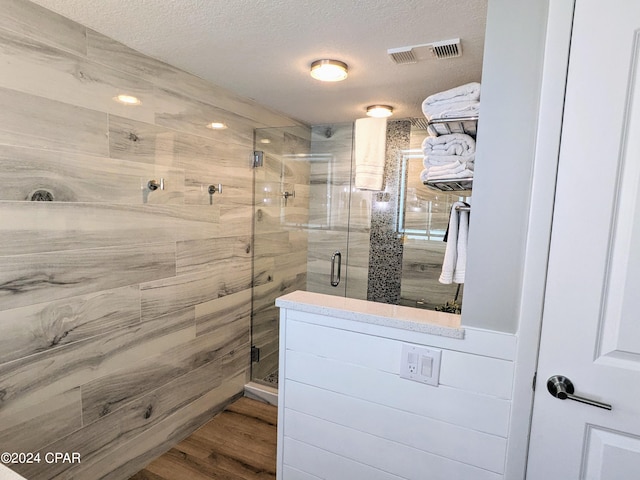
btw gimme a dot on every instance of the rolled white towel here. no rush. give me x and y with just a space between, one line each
468 91
462 101
452 144
451 168
464 109
431 160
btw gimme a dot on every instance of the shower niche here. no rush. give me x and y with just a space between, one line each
310 221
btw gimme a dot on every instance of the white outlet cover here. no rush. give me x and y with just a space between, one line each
420 364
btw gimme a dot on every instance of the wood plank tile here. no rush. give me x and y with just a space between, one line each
31 121
27 381
37 328
44 277
35 227
236 275
223 310
134 452
71 78
170 294
116 55
199 255
106 394
32 428
34 21
84 178
188 115
112 431
236 220
205 161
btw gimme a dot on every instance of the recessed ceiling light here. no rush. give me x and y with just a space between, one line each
379 111
217 125
265 140
127 99
329 70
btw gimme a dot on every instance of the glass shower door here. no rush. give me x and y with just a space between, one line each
281 213
303 224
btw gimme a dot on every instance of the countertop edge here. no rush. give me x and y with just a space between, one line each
352 309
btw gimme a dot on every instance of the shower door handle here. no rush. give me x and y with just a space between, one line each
335 281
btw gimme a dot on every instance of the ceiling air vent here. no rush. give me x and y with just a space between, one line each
447 48
419 123
415 53
402 55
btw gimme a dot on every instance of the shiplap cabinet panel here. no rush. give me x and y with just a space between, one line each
481 412
474 373
326 464
342 402
417 431
406 462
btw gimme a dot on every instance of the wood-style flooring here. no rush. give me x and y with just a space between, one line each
237 444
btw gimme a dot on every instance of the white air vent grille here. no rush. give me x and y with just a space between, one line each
419 123
415 53
447 48
402 56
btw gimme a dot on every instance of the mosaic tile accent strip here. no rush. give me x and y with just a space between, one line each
385 254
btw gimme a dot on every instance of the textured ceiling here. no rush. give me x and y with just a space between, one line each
262 49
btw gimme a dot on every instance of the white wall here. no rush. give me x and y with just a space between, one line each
511 80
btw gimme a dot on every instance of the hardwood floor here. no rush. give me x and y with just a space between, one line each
237 444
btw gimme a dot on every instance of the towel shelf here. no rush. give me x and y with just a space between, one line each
446 126
454 185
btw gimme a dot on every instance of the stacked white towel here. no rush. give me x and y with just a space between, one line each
448 157
462 101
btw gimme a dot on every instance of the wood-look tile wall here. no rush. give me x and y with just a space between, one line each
124 312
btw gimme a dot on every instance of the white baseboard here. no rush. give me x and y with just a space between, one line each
260 392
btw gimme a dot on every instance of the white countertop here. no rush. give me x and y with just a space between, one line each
396 316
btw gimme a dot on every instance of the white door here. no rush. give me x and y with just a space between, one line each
591 323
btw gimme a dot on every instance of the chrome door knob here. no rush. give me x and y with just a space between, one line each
561 387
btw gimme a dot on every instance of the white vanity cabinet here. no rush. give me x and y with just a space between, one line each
344 412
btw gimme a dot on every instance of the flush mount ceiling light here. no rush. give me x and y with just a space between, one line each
329 70
379 111
127 99
216 126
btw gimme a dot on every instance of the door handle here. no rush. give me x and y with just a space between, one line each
562 388
334 282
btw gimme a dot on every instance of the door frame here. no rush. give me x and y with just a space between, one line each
538 238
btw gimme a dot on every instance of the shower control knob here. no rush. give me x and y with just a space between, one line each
153 185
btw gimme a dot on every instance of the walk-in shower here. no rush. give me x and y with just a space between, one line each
310 222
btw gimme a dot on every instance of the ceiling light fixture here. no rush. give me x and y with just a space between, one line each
217 126
329 70
127 99
379 111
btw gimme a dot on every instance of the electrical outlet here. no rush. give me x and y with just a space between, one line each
420 364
